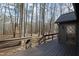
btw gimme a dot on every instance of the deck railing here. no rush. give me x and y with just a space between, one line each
43 38
23 41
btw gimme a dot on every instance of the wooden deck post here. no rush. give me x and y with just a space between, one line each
52 37
23 45
44 40
28 43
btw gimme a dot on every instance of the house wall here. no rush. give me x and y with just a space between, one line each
64 36
77 33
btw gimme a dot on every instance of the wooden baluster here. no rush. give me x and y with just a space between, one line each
28 43
23 44
39 41
44 39
52 37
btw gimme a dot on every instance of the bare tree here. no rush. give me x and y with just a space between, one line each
17 6
52 17
0 10
15 24
61 11
25 21
36 25
21 18
43 18
11 22
4 21
39 20
24 29
69 5
32 18
47 17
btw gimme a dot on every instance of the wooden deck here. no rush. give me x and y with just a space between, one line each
52 48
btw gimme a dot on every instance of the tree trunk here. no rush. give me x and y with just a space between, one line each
36 25
4 21
25 21
43 18
32 18
11 21
21 19
39 20
14 31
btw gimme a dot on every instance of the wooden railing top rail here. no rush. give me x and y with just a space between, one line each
46 36
14 39
50 34
26 38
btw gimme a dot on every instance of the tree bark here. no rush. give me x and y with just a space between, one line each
32 18
39 20
21 19
36 25
4 21
52 17
43 18
25 22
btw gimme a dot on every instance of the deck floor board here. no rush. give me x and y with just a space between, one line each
52 48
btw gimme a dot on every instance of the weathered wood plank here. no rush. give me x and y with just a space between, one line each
43 38
15 39
52 48
7 44
14 42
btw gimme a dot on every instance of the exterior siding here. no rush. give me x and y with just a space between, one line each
77 33
62 34
64 37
